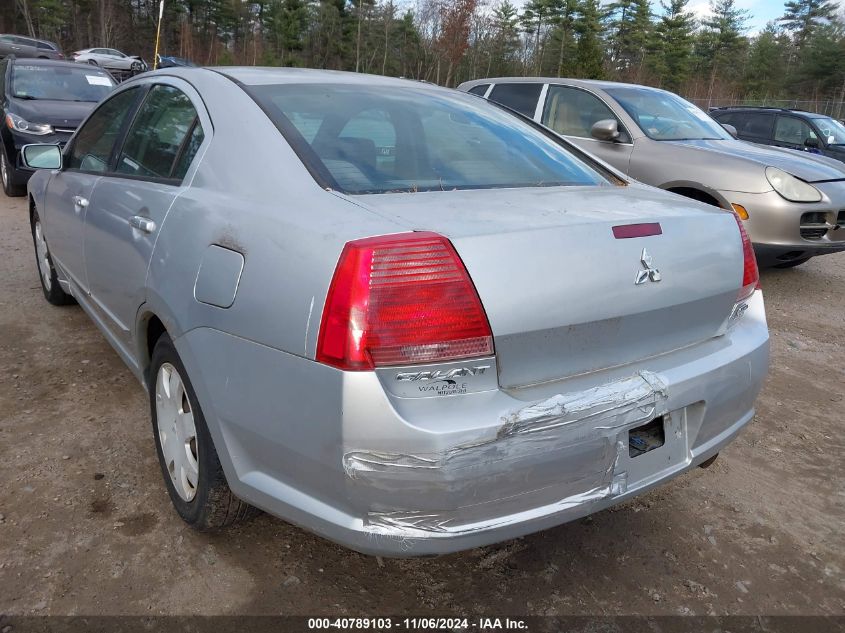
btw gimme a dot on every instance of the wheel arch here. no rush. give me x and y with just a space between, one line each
153 320
697 191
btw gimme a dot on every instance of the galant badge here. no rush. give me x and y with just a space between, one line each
650 273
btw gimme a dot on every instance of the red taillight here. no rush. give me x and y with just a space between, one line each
399 300
750 274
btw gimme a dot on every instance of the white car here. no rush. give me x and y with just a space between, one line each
110 59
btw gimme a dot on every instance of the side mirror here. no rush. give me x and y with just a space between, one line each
730 129
41 156
605 130
811 142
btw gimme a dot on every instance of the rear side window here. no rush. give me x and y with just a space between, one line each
160 131
44 46
750 125
480 89
520 97
95 140
380 139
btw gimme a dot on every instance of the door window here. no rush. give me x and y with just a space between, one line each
792 131
479 90
520 97
572 112
95 140
166 124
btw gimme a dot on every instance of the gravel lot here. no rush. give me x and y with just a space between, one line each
86 526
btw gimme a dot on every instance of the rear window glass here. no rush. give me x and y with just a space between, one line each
377 139
60 82
520 97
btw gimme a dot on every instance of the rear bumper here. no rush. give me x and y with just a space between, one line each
334 453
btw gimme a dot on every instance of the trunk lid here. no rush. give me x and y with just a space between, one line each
558 286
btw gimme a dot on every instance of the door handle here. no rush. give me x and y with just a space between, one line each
80 202
142 224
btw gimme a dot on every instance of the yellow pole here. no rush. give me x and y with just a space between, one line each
158 32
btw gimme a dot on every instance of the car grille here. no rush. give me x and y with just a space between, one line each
814 225
840 219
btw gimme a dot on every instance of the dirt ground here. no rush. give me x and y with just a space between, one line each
86 526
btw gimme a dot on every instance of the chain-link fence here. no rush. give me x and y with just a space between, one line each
831 107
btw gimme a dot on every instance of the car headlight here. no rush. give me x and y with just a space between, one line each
19 124
790 187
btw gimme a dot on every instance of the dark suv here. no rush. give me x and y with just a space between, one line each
21 46
795 129
42 101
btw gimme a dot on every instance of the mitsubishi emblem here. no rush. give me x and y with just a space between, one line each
650 273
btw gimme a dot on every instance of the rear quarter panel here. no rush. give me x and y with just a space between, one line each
252 195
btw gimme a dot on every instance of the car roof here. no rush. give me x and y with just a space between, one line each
584 83
257 76
27 37
799 113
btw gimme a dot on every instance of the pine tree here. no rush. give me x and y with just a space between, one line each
672 44
534 19
766 59
721 42
589 56
802 17
505 37
563 14
631 29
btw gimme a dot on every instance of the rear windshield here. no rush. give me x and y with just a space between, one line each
60 83
377 139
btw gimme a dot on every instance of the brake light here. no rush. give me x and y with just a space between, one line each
400 300
750 274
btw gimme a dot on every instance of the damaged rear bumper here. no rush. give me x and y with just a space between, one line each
420 476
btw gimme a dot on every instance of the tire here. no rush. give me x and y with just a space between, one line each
93 62
206 504
7 172
53 292
793 263
707 463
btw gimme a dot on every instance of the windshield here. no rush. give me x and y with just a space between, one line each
832 130
60 83
379 139
663 116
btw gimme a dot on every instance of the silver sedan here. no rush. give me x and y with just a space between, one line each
392 313
792 203
110 59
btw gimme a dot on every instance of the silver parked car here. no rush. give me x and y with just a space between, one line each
110 59
792 203
403 319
